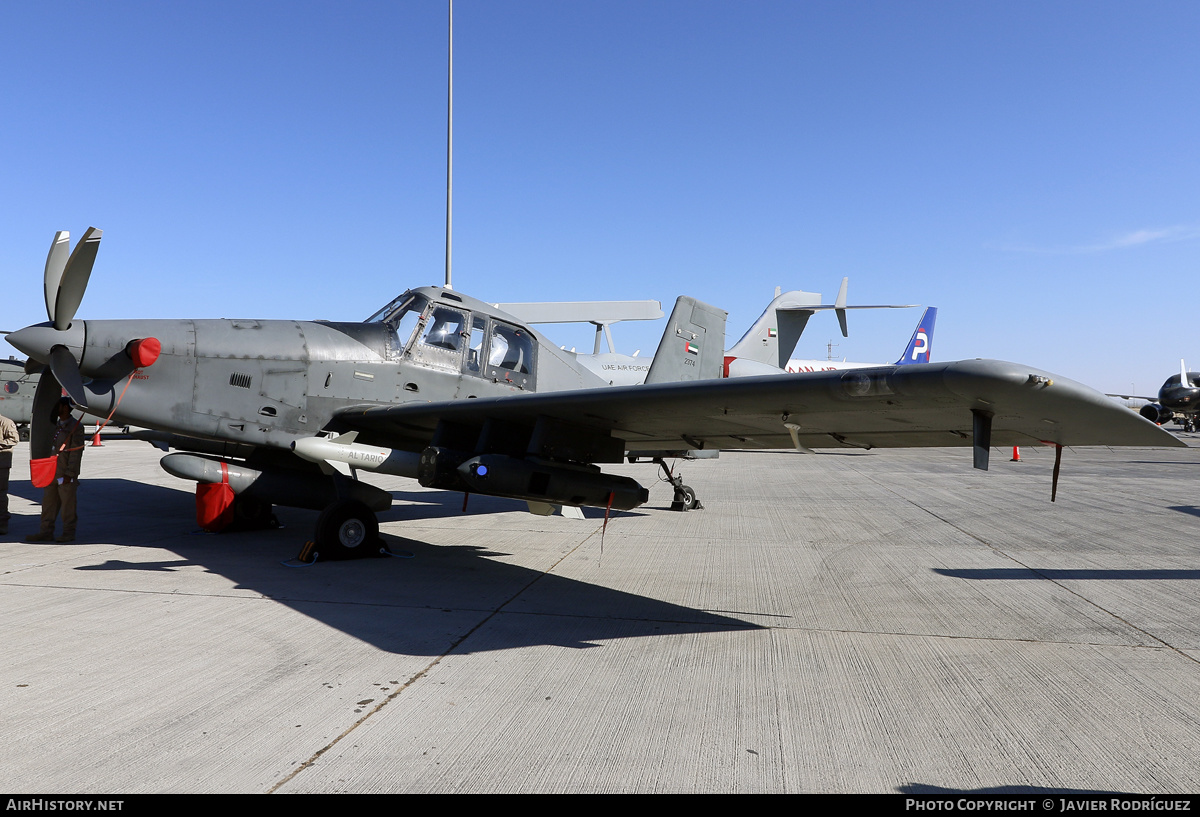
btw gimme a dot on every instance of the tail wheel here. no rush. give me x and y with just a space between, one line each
347 529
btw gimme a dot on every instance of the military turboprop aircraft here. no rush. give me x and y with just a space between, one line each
17 387
1178 400
462 396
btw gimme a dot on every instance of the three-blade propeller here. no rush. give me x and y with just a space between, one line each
57 348
66 279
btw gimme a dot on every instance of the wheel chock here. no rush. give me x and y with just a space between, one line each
308 554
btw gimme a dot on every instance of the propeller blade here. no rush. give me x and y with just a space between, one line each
75 278
66 372
33 367
56 262
41 432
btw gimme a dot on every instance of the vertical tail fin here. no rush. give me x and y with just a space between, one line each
693 344
920 345
772 338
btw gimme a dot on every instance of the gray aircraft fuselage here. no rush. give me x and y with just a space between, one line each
267 382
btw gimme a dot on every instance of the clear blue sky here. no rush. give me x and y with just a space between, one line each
1031 168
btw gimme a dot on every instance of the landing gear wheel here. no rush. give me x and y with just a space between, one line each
685 498
347 529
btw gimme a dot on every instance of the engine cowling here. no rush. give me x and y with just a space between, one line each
1155 413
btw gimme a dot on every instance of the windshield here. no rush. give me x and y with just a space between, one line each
393 308
401 316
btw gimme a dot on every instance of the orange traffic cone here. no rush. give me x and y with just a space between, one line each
96 440
1016 454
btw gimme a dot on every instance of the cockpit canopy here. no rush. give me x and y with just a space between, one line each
453 337
1174 380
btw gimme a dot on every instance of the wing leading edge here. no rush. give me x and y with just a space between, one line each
925 405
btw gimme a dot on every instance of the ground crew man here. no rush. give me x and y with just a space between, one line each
8 438
61 493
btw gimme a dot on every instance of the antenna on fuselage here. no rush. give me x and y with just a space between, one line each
449 142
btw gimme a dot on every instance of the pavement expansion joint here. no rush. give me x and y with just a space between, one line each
1161 647
427 668
1165 644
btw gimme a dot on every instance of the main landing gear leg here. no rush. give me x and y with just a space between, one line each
685 497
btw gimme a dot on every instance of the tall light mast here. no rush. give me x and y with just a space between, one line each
449 143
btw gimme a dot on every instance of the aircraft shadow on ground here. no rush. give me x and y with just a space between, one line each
1010 573
1164 462
822 452
424 605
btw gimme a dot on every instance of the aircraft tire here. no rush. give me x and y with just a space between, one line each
685 499
347 529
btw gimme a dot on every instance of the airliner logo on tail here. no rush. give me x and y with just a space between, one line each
921 345
921 342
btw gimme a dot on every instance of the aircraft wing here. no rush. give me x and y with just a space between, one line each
924 405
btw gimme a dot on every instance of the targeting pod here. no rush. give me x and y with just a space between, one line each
537 481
